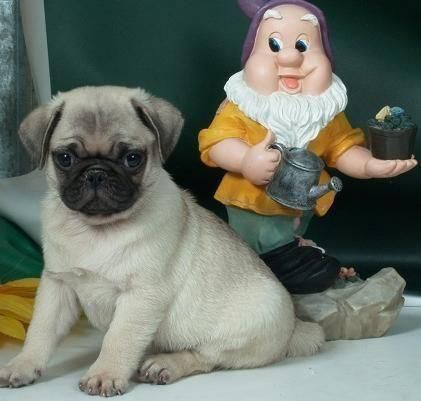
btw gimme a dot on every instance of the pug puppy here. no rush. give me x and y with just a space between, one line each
175 290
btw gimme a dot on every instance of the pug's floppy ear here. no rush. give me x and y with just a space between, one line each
162 118
36 130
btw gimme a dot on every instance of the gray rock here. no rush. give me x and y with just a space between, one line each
360 310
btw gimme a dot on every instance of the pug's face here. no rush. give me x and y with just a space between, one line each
103 146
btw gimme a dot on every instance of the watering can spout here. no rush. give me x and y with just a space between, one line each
317 191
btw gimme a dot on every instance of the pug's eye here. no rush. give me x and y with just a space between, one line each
64 159
302 45
133 159
275 44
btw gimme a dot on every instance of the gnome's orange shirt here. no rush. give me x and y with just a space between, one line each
234 190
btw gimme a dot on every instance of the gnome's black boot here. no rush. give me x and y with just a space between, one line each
302 269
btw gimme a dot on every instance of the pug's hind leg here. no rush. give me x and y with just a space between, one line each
167 368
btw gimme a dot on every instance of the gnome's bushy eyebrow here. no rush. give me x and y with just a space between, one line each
272 14
310 18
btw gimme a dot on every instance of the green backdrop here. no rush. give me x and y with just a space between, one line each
185 50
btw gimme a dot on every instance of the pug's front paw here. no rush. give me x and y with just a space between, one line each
19 372
103 384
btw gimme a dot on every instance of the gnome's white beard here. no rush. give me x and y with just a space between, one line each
294 119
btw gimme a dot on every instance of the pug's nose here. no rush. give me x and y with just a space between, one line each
96 177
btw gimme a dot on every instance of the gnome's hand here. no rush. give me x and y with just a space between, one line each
358 162
259 162
376 168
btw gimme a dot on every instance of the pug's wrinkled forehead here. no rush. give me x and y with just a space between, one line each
91 125
94 120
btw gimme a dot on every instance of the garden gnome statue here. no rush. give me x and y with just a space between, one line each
288 93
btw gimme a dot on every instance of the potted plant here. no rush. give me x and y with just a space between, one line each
391 134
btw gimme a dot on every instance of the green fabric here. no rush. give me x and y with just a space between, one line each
20 257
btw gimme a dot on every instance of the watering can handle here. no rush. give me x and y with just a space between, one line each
278 146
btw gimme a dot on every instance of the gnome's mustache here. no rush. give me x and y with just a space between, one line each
294 122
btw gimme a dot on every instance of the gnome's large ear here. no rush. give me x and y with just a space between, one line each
250 7
162 118
37 129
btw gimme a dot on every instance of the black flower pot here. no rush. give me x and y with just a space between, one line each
392 144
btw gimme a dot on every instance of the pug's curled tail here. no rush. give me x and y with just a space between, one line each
307 338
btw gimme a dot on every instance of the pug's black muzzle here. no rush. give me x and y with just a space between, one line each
99 189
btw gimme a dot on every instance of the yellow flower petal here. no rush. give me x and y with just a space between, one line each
25 288
25 282
21 292
16 307
12 328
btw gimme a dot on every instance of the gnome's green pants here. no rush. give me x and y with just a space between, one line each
265 233
301 269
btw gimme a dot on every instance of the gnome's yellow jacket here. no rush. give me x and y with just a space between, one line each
333 140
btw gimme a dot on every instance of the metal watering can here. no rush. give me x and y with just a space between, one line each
296 181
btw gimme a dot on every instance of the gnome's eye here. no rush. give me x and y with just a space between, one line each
302 45
275 44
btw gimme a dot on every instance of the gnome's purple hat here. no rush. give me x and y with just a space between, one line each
255 9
